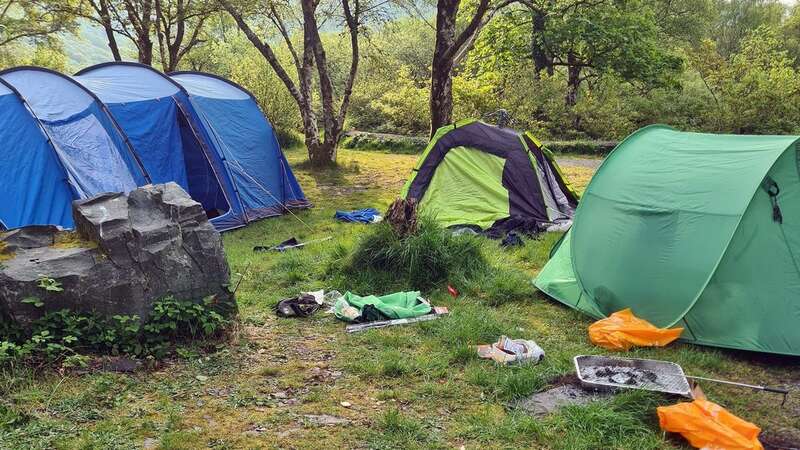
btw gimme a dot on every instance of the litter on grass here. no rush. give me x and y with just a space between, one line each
512 239
646 374
304 305
438 312
622 331
289 244
366 215
371 308
707 425
507 351
307 303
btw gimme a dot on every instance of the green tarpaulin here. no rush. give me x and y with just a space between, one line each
400 305
683 229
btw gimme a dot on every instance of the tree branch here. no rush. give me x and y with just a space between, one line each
266 51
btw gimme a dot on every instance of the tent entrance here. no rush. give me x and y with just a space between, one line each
202 182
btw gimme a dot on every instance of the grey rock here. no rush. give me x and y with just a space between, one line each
29 237
154 243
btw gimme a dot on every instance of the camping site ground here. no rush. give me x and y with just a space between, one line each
305 383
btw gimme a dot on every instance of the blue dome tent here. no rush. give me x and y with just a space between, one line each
58 144
116 126
247 143
156 115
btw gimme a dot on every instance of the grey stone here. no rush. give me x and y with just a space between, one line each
153 243
29 237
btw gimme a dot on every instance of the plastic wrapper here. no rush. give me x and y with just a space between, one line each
622 330
707 425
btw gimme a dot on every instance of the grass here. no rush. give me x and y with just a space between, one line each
419 386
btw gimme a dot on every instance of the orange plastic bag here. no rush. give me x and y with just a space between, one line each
707 425
622 330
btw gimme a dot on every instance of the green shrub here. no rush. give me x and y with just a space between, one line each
62 336
391 143
582 147
424 260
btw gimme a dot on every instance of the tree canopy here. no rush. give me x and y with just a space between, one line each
566 69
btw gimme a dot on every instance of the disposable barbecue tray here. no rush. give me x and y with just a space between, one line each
628 373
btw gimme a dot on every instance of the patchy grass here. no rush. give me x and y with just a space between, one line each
419 386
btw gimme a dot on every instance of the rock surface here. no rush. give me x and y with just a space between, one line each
136 249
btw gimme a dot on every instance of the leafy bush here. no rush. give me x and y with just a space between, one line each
581 147
392 143
61 336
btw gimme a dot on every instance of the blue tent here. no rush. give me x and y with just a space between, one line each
154 112
57 143
246 142
180 137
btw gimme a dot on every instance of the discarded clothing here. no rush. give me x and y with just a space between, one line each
369 313
303 305
400 305
512 239
622 330
507 351
282 247
366 215
707 425
288 244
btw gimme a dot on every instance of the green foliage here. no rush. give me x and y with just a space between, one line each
401 108
384 142
61 336
49 284
757 90
424 260
581 147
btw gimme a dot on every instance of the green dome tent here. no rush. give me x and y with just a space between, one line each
694 230
477 174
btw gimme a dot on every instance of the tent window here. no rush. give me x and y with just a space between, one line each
203 184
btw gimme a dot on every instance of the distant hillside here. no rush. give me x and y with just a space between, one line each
90 47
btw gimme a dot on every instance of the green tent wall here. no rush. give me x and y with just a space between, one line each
681 227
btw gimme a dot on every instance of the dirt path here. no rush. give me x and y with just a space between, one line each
589 163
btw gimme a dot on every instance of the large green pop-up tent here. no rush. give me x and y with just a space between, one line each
694 230
477 174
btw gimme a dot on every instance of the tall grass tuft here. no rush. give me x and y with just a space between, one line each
425 260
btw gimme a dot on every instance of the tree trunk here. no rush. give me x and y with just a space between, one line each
105 20
321 149
441 99
145 47
573 86
541 60
573 80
